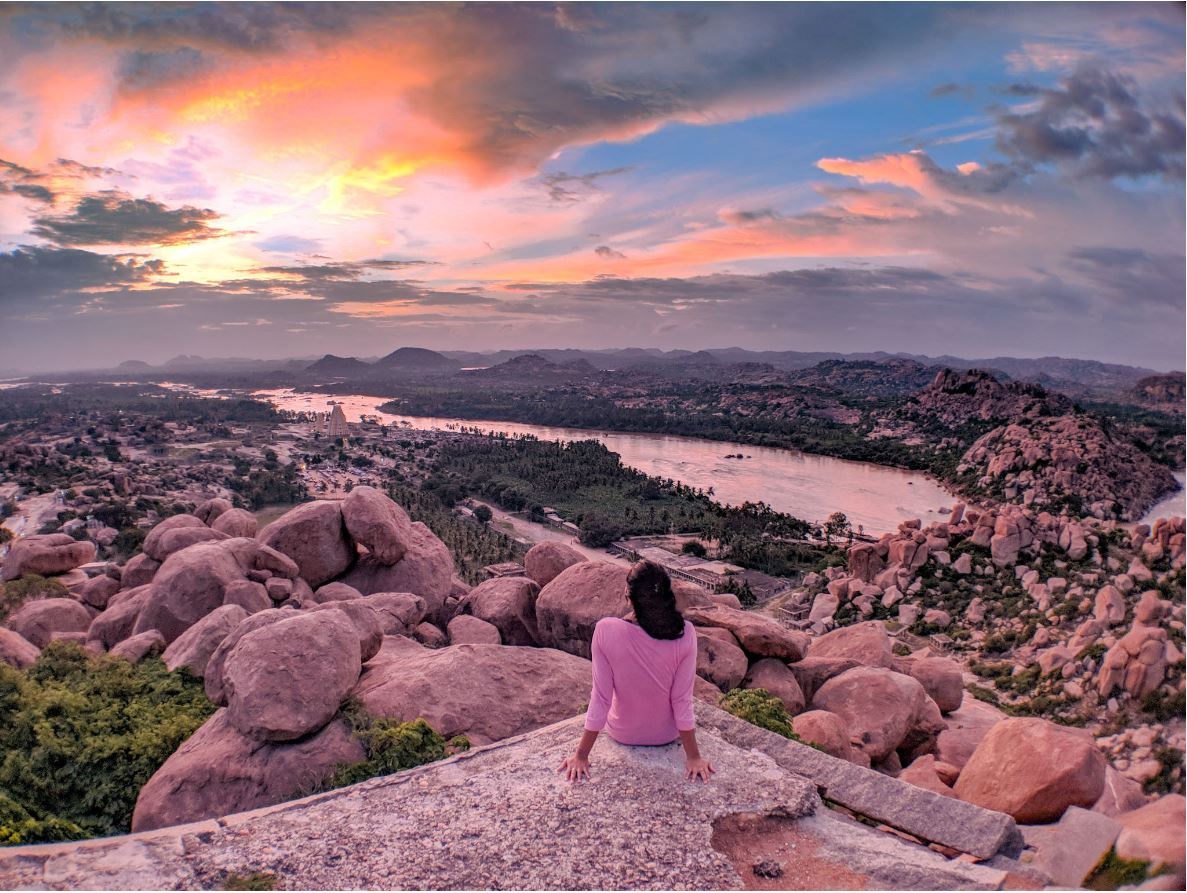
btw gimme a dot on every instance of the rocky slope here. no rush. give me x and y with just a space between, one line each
349 603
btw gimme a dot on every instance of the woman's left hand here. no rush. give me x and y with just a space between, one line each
698 767
576 768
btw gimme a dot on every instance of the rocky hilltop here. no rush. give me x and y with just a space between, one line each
345 609
1042 452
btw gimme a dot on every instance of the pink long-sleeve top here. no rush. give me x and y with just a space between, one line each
642 687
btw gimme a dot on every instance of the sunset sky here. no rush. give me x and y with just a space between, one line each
288 180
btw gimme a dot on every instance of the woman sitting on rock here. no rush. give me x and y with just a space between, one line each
643 676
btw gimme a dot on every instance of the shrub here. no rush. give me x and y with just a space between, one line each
759 708
694 547
391 746
1165 705
81 736
17 826
255 880
15 593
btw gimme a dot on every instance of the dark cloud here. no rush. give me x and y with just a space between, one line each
1132 274
340 270
140 69
250 27
16 179
1096 124
743 217
34 272
115 218
1021 89
563 187
607 252
951 89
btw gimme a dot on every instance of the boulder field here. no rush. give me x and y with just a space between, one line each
353 603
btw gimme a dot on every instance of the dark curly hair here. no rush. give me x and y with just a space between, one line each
650 590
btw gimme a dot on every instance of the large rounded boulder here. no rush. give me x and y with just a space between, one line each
219 771
773 675
720 659
46 554
1033 770
16 650
375 521
212 509
314 536
152 545
570 606
486 692
38 621
172 541
884 711
508 603
190 584
236 522
213 676
193 648
425 570
941 678
546 560
118 621
759 636
866 643
288 679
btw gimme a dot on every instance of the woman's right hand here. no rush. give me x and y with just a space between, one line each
576 768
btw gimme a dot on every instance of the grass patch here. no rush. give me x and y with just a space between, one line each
255 880
1113 873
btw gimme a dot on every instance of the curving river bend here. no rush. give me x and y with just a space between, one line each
808 486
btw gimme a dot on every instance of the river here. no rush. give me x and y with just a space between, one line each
807 486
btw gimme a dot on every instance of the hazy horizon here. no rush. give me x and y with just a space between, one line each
267 180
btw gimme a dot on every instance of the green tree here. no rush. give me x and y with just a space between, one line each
483 514
837 525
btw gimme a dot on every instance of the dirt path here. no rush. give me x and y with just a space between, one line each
530 531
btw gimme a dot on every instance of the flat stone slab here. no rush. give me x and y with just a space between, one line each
921 813
1068 850
501 817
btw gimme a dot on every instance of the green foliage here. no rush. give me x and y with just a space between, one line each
472 546
588 484
18 826
981 693
1170 778
81 735
1165 705
695 548
391 746
759 708
1113 873
16 592
599 531
253 880
271 484
483 514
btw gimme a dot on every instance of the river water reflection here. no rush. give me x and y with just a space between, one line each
807 486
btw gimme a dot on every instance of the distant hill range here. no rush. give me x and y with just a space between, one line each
876 371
